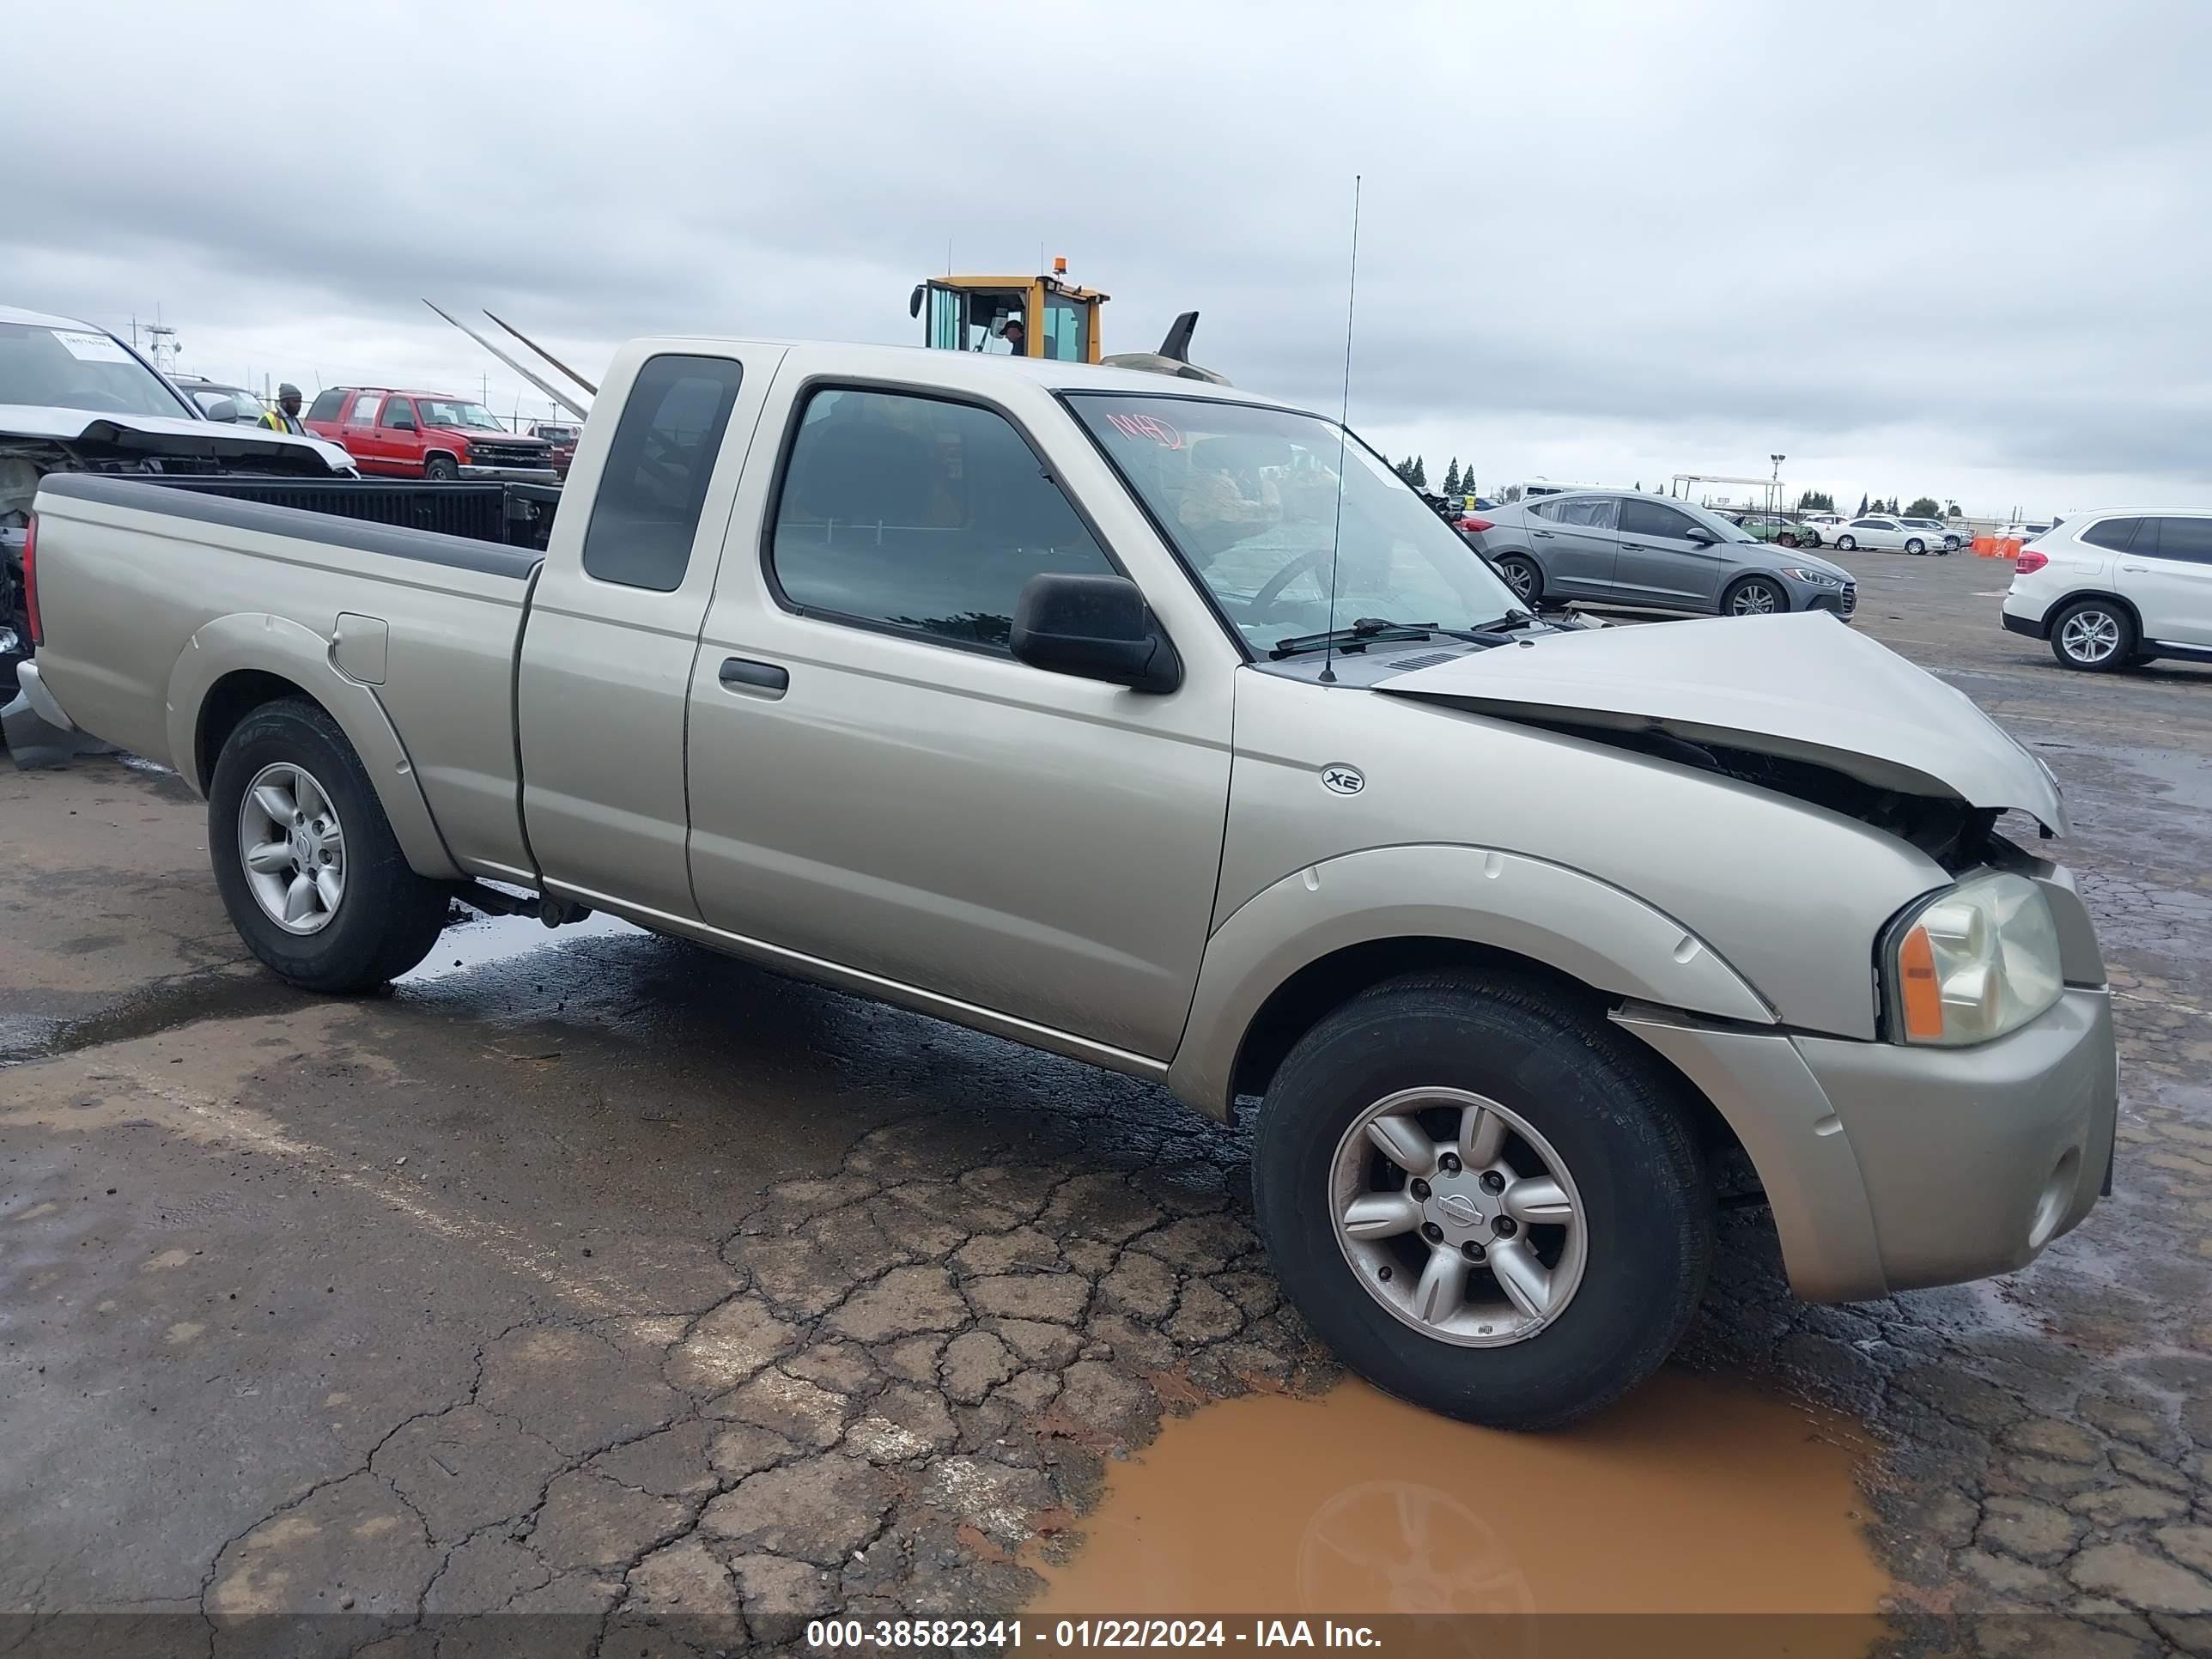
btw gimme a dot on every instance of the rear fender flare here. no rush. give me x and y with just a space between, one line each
1583 927
276 645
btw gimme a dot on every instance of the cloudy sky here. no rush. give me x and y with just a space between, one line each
1953 248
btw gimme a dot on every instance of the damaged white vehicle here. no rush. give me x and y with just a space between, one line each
1162 727
73 398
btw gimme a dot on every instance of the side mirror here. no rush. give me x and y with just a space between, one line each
1700 537
222 408
1096 627
403 424
914 299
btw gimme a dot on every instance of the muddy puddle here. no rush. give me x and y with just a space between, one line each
1694 1495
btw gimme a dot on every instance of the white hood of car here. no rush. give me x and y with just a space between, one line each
218 439
1804 686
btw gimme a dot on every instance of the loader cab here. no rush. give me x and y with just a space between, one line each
1060 320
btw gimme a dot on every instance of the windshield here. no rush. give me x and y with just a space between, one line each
80 369
1249 497
444 412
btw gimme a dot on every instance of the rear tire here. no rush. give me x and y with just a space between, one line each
378 918
1524 577
2094 635
1629 1261
441 469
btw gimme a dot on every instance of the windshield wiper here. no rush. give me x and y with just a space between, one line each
1506 624
1356 637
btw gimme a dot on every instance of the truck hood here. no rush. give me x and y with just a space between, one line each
155 435
1804 687
478 435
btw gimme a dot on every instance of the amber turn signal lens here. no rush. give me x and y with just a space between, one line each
1921 995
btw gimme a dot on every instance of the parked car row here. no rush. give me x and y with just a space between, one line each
1879 533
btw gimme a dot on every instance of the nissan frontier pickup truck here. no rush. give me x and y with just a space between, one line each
1160 724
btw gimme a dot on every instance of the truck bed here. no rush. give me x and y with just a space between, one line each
290 577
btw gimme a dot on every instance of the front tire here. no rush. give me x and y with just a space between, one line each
441 469
1916 546
1523 577
1483 1201
306 861
1847 544
1755 596
2094 635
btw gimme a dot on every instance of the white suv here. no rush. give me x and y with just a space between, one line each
2124 585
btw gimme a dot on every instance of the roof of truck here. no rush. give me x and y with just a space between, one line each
899 360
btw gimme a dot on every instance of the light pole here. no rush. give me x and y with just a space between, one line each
1774 489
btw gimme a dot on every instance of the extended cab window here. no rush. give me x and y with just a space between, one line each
647 513
917 514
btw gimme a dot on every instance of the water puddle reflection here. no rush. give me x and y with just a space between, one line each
1694 1495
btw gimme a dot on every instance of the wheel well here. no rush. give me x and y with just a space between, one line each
430 455
229 701
1322 987
2051 613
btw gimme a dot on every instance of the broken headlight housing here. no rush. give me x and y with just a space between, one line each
1971 962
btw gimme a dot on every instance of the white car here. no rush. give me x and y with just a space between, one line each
2124 585
1881 532
1941 537
1818 529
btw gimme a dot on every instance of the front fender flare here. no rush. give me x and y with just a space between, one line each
1581 927
276 645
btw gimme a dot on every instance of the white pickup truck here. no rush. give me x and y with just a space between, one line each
1152 723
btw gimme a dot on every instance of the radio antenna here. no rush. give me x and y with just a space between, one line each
1343 442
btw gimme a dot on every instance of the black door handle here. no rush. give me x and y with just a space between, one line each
1633 547
742 673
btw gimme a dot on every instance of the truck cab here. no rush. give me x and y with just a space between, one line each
1059 318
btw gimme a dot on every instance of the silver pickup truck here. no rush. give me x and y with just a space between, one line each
1160 724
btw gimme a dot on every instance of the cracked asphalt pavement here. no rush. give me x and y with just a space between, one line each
592 1278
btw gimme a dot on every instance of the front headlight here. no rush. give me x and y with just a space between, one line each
1817 578
1971 962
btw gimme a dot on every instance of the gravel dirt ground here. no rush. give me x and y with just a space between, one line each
592 1277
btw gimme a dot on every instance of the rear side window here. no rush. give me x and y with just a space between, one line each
1591 513
364 409
2115 533
327 405
918 515
647 513
2185 539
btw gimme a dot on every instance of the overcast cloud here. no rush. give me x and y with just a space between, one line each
1956 249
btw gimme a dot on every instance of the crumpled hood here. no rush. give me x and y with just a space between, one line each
158 435
1802 686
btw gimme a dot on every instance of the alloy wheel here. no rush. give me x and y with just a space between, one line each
293 847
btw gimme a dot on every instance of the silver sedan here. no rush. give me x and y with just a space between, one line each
1616 547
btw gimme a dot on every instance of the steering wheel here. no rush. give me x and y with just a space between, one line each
1260 608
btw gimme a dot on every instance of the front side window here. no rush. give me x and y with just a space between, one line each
398 411
1642 518
646 514
915 514
2185 539
2113 533
1066 330
1250 496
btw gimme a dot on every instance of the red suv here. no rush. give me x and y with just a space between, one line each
427 434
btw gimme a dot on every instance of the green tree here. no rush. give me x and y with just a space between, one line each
1418 477
1952 511
1405 468
1816 500
1924 507
1451 477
